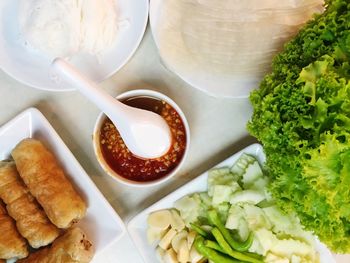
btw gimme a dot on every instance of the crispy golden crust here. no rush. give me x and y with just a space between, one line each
72 247
48 184
31 220
11 243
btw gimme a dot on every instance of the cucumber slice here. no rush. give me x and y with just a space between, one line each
255 217
289 247
241 165
221 194
234 216
189 208
221 176
243 229
205 198
252 174
222 210
266 238
247 196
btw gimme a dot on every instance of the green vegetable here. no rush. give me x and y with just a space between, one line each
192 207
289 247
211 254
215 220
214 245
235 215
221 194
199 230
248 196
302 117
252 174
228 250
222 177
255 217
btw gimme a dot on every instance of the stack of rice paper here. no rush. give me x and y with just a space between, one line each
226 46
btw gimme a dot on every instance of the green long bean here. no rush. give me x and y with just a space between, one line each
199 230
242 247
211 254
214 245
228 250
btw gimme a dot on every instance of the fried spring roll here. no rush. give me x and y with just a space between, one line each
48 184
72 247
12 245
31 220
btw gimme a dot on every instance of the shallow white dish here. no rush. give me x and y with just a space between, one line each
32 68
102 224
138 225
213 85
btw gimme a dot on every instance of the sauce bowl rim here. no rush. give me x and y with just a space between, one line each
96 144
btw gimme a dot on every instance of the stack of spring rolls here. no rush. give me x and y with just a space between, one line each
39 206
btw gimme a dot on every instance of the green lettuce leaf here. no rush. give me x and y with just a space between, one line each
302 118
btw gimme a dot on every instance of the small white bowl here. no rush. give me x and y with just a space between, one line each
109 170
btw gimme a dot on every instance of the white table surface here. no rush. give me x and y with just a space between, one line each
217 131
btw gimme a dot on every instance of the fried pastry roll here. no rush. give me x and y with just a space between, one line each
12 245
31 220
48 183
72 247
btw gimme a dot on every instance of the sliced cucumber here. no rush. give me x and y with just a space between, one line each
288 247
221 176
241 165
234 216
243 229
221 194
247 196
189 208
266 238
255 217
251 174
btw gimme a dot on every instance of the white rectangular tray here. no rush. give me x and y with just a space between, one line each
138 225
102 224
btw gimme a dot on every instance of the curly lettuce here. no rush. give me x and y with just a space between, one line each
302 118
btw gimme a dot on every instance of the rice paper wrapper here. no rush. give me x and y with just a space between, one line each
225 47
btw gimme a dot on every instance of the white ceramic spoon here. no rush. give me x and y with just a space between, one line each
145 133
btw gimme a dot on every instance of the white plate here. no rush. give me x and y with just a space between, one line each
32 68
213 85
138 225
101 224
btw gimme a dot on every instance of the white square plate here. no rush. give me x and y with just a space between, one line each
102 224
138 225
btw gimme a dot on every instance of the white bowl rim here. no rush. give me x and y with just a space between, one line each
136 11
111 172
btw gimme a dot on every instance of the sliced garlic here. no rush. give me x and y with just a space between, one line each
190 238
183 255
195 256
167 238
160 254
176 221
154 235
160 219
176 242
170 256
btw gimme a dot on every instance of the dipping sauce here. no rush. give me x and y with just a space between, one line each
134 168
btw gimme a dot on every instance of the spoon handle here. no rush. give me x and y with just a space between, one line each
89 89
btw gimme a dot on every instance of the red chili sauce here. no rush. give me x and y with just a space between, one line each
134 168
